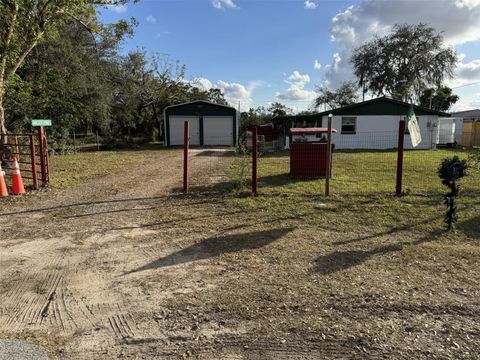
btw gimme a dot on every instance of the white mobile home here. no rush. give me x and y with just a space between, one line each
374 124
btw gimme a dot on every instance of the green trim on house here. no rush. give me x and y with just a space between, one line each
382 106
378 106
200 108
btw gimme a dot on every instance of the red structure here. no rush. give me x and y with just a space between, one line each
308 152
31 152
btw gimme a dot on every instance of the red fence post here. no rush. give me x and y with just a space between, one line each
186 145
329 156
42 137
45 146
42 154
254 159
401 137
33 160
17 148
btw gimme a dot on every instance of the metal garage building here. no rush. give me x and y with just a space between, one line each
210 124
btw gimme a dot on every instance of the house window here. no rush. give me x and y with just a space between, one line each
349 125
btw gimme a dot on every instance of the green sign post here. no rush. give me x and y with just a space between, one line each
41 122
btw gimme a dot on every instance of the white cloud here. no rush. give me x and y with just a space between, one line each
317 65
470 4
468 72
235 93
310 5
151 19
458 20
120 9
224 4
202 83
467 103
296 91
298 79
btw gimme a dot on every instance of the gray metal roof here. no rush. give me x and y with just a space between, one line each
475 113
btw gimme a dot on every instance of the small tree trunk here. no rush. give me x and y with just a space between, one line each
157 120
3 129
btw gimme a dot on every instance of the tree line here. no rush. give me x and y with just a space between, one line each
76 74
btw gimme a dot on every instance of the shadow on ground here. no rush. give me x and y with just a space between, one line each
470 227
213 152
388 232
80 204
341 260
283 179
216 246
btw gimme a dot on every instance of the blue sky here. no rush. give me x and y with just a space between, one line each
259 52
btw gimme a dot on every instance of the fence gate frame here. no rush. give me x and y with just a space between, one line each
32 150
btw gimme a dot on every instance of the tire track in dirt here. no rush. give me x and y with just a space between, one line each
75 243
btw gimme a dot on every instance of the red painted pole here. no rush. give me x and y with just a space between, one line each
401 137
328 162
254 160
186 145
45 146
33 160
42 155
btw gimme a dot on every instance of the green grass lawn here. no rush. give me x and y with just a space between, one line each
70 169
362 188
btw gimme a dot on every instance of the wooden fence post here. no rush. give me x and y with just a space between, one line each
254 159
186 145
401 138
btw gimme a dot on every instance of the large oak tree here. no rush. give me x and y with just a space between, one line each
405 62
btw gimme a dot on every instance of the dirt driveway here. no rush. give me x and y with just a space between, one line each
72 265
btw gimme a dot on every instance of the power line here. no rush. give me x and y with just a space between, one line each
474 83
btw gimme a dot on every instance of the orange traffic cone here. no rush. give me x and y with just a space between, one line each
17 182
3 186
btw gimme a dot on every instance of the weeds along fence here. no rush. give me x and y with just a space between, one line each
362 164
72 143
367 163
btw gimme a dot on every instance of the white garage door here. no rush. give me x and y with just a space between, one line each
176 129
218 130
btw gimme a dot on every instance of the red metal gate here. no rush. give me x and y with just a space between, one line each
31 151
